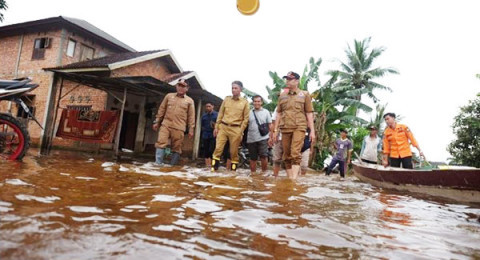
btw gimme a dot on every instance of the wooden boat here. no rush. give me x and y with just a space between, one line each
456 183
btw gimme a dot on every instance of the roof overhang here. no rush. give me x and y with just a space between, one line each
125 63
190 75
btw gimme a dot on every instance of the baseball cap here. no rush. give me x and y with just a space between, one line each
182 82
291 75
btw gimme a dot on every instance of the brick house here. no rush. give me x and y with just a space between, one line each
86 68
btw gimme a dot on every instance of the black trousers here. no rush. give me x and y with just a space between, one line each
405 162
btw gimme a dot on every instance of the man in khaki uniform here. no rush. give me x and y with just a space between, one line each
295 113
176 112
231 122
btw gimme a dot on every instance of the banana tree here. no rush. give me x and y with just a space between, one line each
335 108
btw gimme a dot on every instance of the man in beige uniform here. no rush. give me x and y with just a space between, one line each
174 114
295 113
231 122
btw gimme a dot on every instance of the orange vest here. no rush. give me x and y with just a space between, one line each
395 141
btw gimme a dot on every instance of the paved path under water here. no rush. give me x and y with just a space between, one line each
75 206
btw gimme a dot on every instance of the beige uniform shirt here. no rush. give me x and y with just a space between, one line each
177 112
234 112
294 107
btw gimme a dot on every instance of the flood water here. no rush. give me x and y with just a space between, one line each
78 206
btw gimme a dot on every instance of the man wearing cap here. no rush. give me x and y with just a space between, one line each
371 146
231 122
175 114
295 114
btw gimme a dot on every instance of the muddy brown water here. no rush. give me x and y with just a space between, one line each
78 206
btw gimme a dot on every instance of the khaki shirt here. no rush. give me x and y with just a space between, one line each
234 112
294 107
177 112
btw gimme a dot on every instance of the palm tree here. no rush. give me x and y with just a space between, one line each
3 6
357 71
334 104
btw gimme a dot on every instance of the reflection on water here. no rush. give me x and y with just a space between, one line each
73 206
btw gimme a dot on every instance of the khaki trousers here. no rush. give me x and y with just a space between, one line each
292 142
232 134
175 136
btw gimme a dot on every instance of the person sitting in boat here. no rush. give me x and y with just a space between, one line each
371 146
344 149
396 143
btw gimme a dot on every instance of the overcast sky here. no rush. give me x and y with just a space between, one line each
434 44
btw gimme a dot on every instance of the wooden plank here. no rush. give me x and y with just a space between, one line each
120 122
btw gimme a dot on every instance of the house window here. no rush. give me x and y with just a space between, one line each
87 53
71 47
39 47
28 100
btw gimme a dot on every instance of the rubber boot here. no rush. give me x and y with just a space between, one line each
234 166
215 164
175 158
159 154
295 171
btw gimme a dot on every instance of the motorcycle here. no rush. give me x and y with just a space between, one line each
14 136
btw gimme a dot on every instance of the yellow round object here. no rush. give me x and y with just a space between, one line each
248 7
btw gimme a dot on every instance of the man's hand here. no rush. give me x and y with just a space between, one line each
155 127
190 134
312 136
348 161
215 132
385 162
274 138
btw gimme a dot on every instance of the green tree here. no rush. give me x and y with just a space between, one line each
378 121
310 72
335 106
465 149
3 6
358 73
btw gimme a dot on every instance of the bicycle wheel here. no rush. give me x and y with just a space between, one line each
14 138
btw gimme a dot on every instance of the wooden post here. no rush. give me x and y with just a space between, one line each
120 122
50 116
198 128
142 120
